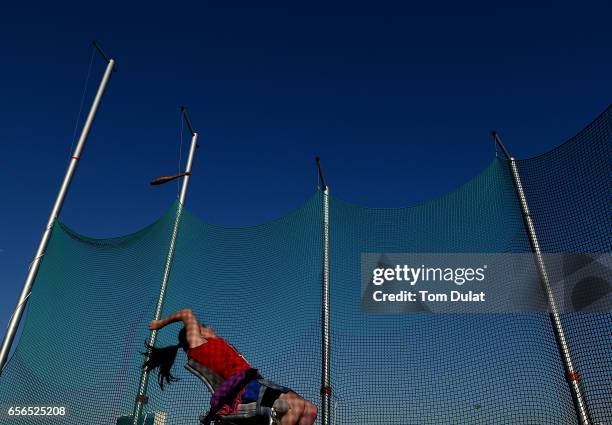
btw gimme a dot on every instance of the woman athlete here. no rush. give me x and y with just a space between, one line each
204 346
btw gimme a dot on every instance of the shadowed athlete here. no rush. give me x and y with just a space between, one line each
204 346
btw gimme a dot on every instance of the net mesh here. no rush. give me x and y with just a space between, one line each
260 288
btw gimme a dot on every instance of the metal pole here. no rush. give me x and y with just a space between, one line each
571 374
57 207
141 398
326 389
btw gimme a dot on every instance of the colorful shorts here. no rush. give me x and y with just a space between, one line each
264 391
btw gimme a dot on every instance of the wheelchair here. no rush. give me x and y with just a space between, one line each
246 414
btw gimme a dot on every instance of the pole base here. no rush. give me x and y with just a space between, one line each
150 418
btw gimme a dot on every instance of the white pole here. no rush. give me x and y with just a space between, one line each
326 388
59 201
571 374
141 398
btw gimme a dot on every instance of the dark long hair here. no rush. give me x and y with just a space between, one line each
163 358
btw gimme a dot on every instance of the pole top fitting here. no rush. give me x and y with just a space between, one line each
103 54
187 120
321 176
499 143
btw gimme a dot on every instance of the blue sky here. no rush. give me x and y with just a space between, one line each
398 99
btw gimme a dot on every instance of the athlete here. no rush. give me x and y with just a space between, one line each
211 351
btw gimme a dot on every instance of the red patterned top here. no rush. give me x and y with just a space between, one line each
219 356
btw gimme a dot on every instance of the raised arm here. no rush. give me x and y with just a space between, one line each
192 326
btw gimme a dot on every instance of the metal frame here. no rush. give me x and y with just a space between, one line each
572 376
326 389
13 324
141 398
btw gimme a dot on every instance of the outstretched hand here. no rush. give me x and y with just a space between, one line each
155 325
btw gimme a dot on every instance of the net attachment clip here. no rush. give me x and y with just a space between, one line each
326 390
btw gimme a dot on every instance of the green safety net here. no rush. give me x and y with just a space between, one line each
260 288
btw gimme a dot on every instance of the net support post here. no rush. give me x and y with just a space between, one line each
326 388
571 374
141 397
13 324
